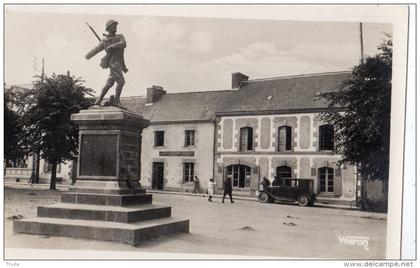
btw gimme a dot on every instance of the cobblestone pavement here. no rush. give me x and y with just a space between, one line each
243 229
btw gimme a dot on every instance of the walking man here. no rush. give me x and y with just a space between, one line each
227 190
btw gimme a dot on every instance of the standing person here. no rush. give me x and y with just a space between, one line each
227 190
196 184
265 183
276 181
210 189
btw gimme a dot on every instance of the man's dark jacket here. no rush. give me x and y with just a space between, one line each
228 186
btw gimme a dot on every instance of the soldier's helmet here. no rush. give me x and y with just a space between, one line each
109 23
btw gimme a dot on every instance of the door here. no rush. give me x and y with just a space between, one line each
158 175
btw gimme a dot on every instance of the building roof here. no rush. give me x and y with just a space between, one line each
272 95
188 106
283 93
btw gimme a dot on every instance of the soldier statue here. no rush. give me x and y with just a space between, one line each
114 45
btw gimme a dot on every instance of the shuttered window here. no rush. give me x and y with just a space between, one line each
246 139
240 176
326 179
284 139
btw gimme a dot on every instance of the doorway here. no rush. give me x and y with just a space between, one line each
158 175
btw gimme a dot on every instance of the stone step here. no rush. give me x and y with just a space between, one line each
104 213
107 187
133 233
106 199
105 191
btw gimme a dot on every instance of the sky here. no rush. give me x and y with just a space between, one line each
181 53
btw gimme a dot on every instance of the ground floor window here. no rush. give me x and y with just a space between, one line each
326 179
240 175
48 168
188 172
17 163
284 172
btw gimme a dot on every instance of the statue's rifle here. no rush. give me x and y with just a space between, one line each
93 52
93 31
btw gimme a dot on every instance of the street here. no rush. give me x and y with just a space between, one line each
245 228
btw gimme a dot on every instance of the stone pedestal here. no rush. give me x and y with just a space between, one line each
109 149
107 202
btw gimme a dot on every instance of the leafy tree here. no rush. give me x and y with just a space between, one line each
362 130
12 147
46 125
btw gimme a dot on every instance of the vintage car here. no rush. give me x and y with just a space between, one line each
289 190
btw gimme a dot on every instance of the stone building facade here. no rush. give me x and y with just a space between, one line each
179 142
303 159
272 128
184 153
257 128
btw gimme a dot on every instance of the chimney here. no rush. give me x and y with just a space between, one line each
154 93
237 79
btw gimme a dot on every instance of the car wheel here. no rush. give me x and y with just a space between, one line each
263 197
303 200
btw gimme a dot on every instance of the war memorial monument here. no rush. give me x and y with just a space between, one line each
107 201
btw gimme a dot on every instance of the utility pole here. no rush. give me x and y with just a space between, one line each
361 42
36 158
42 74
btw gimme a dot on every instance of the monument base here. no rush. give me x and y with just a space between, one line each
107 202
125 218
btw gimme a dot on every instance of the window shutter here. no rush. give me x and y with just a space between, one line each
338 172
243 139
338 183
282 139
250 142
186 138
255 170
288 138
